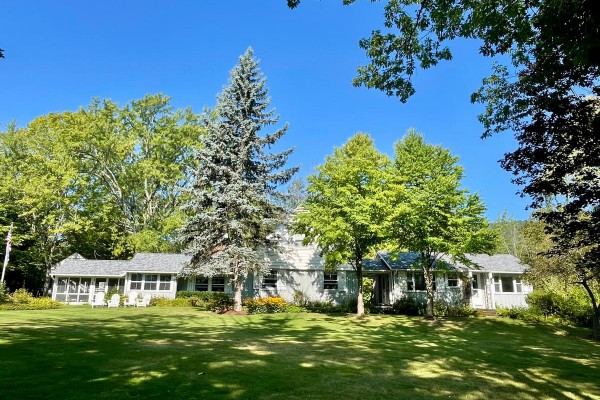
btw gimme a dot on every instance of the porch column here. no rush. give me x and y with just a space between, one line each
491 286
469 288
92 291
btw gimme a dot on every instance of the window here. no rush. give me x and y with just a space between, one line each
150 282
202 284
165 282
518 285
115 283
507 284
270 280
452 279
416 281
504 284
136 282
218 284
474 282
330 281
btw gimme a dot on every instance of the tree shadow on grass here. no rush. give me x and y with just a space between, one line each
182 354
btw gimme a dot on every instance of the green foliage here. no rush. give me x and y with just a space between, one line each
443 309
177 302
220 303
430 213
408 306
4 296
105 181
327 307
266 305
573 307
345 205
204 300
21 296
21 299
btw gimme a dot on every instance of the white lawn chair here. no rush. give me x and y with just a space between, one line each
98 300
131 300
114 301
145 302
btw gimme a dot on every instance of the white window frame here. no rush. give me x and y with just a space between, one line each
331 280
269 281
454 278
148 285
411 281
499 287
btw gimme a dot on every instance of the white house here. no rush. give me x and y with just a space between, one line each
299 270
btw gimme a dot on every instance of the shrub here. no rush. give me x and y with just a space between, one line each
40 303
323 307
4 297
220 302
266 305
408 306
572 307
292 308
177 302
206 300
21 296
443 309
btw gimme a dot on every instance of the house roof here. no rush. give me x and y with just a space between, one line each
500 263
158 262
76 265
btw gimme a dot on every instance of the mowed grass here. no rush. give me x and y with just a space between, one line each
182 353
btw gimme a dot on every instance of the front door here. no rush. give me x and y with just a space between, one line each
381 289
478 291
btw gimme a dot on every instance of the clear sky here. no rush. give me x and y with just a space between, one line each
60 54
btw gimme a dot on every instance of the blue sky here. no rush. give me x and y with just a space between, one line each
60 54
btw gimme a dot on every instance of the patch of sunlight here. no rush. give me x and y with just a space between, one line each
257 351
429 344
157 342
307 365
145 376
430 369
569 395
90 351
234 390
100 379
221 364
253 362
583 361
560 332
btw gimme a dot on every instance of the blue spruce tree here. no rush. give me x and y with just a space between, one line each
235 205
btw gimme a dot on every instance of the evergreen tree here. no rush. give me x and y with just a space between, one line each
235 204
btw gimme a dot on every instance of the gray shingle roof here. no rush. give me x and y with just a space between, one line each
158 262
497 263
76 265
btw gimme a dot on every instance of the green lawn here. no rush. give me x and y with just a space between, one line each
181 353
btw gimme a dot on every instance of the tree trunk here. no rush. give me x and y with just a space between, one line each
237 290
429 279
360 304
596 315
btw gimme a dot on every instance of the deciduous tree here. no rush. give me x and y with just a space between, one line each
431 213
345 207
